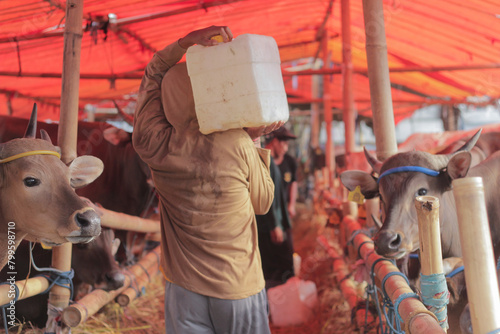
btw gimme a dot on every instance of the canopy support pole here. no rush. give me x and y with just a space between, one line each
378 75
347 71
327 107
66 136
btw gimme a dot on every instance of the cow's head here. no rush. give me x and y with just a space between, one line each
37 191
100 256
402 178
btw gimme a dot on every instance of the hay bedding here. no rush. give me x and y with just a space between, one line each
332 315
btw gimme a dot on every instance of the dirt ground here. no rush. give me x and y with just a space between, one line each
331 315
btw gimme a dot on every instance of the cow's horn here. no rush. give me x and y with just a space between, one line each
45 135
470 144
374 162
31 129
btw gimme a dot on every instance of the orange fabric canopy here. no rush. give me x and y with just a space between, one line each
439 52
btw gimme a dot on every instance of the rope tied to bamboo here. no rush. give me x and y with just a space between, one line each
391 312
54 276
60 278
387 307
435 296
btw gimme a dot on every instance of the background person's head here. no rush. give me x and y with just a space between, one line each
277 142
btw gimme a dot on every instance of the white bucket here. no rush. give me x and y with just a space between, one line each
292 303
237 84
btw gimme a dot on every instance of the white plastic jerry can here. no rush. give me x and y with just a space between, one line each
237 84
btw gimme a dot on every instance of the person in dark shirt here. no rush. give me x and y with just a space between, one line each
275 228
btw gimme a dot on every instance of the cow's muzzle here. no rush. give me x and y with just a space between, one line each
89 226
388 244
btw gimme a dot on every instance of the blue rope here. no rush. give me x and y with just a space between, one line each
387 306
495 331
435 296
393 273
400 299
7 305
55 277
455 271
419 169
61 278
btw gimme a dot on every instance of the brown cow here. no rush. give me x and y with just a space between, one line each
37 197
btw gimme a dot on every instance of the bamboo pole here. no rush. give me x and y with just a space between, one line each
315 112
68 124
347 73
477 253
142 276
122 221
323 71
27 288
421 69
78 313
431 257
416 317
378 75
327 106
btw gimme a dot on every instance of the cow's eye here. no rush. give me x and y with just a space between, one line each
31 182
422 192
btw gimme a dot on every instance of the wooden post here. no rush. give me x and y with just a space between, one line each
347 71
68 124
378 75
431 257
327 107
315 112
477 253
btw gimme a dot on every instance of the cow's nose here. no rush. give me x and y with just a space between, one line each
87 219
387 242
115 280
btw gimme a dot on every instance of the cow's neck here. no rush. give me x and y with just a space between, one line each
450 237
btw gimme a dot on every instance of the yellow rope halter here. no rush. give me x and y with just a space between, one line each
25 154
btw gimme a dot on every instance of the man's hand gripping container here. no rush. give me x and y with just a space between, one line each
237 84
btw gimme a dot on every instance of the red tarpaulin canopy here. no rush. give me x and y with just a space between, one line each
439 52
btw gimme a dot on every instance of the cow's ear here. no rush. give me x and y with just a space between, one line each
353 178
84 170
459 164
